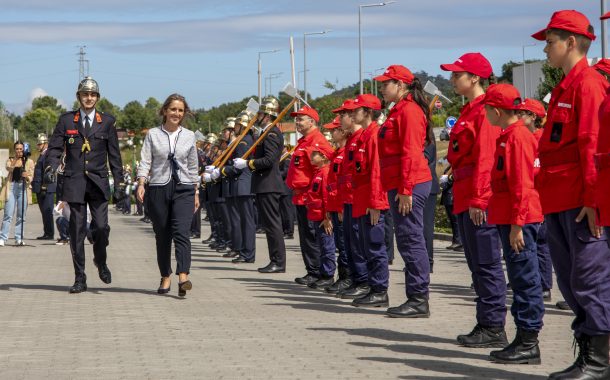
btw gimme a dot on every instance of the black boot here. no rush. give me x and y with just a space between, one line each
339 285
484 337
592 360
523 350
415 307
373 299
322 283
357 291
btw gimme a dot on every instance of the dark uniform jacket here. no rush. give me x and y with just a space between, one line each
38 179
240 179
266 177
70 135
284 165
430 154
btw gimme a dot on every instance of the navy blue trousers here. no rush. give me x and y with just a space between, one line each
338 232
371 245
247 227
544 258
326 244
357 262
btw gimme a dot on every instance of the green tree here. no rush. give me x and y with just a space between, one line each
104 105
134 117
39 120
552 76
48 102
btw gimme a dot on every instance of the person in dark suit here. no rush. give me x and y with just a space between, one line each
228 207
430 206
267 184
287 209
45 191
242 202
90 142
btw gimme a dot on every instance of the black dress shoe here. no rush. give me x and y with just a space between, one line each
223 249
373 299
338 286
260 231
214 245
356 292
322 283
289 236
272 268
208 240
183 287
104 273
484 337
562 305
163 290
241 260
45 237
415 307
306 280
546 295
78 287
231 254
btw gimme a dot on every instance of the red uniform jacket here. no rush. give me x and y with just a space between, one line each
344 180
402 139
569 141
602 160
300 171
471 154
316 198
514 199
537 136
335 201
366 173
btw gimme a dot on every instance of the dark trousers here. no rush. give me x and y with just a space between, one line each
247 228
326 244
237 244
582 267
389 235
339 235
46 202
524 276
307 239
224 223
213 220
371 242
455 230
63 227
544 258
100 230
410 240
288 211
171 212
357 261
269 213
196 223
482 250
429 212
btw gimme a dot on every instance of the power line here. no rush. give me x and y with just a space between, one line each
83 64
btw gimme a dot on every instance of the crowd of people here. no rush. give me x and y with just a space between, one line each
524 184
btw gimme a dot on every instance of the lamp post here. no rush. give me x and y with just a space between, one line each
604 47
374 82
305 57
271 77
524 66
260 71
360 36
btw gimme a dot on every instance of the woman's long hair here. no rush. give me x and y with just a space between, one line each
419 97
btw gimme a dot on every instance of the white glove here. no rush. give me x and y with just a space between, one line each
240 163
209 168
444 179
207 177
215 173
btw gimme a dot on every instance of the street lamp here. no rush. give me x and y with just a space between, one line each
360 36
374 82
524 65
305 58
271 77
260 99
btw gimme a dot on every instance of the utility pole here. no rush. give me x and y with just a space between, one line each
83 64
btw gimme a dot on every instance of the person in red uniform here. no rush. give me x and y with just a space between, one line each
579 250
603 65
370 201
300 174
317 206
406 178
471 155
335 206
514 207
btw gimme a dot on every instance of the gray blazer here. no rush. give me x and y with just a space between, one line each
155 166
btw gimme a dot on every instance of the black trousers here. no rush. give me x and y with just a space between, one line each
46 202
100 230
269 214
429 210
247 228
221 211
171 211
389 235
235 220
307 239
196 222
287 210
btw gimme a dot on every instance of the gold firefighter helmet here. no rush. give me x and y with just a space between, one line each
229 123
270 106
88 85
244 118
42 138
211 138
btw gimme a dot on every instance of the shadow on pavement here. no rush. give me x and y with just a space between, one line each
64 289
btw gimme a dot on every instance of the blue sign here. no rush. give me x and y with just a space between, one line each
450 122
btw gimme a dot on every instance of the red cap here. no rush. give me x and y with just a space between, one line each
344 106
603 65
505 96
396 72
533 106
605 16
570 20
366 100
307 111
474 63
334 124
326 149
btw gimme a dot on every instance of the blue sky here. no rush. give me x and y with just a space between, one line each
207 50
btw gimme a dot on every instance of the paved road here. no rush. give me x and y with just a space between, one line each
235 324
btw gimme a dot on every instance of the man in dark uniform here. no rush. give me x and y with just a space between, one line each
219 211
242 202
287 209
90 141
267 184
45 191
205 193
228 212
